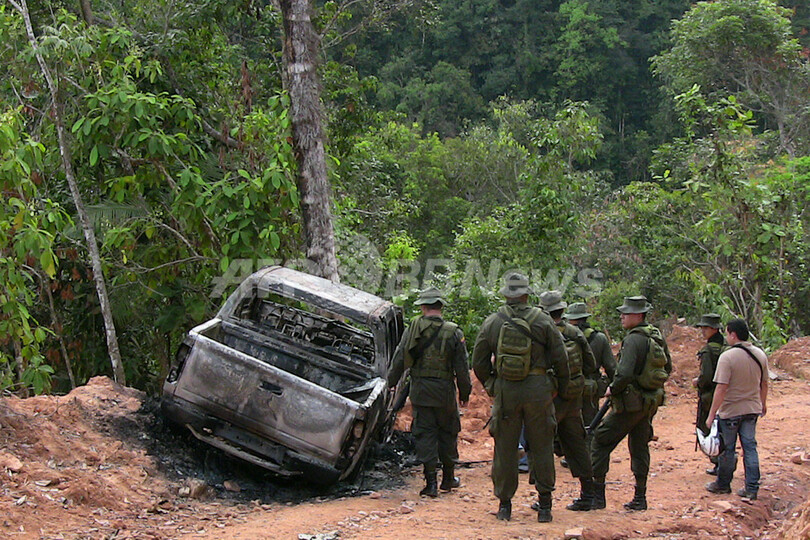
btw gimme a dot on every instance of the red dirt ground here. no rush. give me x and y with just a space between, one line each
65 475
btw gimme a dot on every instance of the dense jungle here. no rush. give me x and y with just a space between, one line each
606 148
152 158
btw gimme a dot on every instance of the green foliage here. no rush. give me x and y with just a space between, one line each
485 133
527 50
584 47
468 310
721 233
605 316
29 225
441 101
716 42
743 48
170 211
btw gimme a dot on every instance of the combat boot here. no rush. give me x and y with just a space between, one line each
639 501
448 480
431 488
504 511
599 501
544 507
585 500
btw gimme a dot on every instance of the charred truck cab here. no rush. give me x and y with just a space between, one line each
290 375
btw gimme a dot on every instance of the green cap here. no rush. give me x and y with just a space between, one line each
712 320
577 310
634 304
515 284
429 296
552 301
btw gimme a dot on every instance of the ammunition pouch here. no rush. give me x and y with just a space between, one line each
653 400
630 401
591 388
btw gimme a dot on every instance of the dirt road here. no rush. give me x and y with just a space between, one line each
72 467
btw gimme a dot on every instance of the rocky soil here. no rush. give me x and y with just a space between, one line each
99 463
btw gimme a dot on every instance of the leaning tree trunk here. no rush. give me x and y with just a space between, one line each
87 226
301 49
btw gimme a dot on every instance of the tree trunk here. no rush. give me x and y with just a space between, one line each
301 50
87 11
21 367
57 329
87 227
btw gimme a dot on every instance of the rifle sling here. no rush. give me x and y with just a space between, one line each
420 348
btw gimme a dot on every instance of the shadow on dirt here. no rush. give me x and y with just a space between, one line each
180 456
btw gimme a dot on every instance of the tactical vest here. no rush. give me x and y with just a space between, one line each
653 374
436 360
513 359
576 380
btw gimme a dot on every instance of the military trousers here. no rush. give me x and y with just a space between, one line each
571 433
590 406
435 432
537 417
637 427
704 405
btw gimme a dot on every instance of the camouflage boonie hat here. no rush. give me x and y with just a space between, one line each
552 301
515 284
711 320
634 304
429 296
577 310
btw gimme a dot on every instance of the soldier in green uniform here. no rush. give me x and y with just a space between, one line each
568 405
636 393
525 346
577 314
434 351
710 325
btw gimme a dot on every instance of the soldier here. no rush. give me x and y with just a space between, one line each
636 393
577 314
434 351
525 345
568 405
710 325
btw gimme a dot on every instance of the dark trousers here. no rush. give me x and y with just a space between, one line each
637 427
538 419
435 432
590 406
571 433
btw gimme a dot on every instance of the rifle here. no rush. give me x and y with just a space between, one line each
403 396
697 420
598 418
471 464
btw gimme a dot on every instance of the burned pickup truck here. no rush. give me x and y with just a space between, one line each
289 375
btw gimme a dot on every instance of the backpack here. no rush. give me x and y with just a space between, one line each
576 380
426 354
590 334
513 359
653 374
